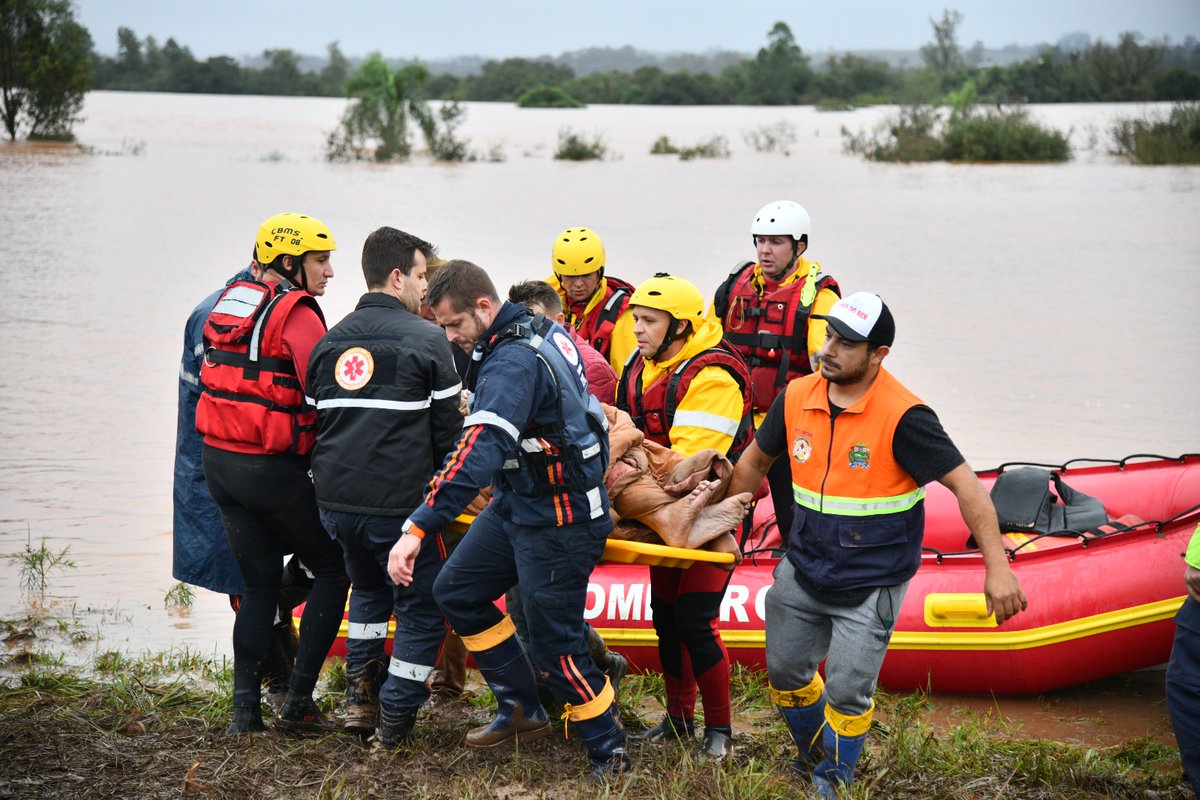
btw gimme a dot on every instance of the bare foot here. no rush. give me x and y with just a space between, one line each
716 519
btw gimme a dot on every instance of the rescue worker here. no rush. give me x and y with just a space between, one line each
768 309
540 298
1183 670
686 389
387 397
536 435
258 433
860 447
594 304
201 554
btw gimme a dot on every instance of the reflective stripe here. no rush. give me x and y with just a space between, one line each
703 419
494 419
532 445
511 463
856 506
592 451
442 394
240 301
390 405
187 376
198 350
409 672
367 630
596 508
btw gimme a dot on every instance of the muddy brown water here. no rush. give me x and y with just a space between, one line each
1047 312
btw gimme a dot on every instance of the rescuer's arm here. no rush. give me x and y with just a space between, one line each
1000 586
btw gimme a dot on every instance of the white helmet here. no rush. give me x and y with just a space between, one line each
782 218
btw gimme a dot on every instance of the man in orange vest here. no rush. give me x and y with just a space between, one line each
861 447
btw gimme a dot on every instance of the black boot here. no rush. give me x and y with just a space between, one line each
519 712
362 696
277 666
395 727
604 737
671 729
301 715
718 742
246 719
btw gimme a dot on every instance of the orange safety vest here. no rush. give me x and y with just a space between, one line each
251 394
860 517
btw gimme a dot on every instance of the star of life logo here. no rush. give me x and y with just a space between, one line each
354 368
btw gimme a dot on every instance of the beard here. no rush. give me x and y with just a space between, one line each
846 374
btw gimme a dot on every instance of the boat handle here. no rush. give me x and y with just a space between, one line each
957 610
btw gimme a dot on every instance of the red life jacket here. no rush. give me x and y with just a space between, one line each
597 327
653 412
770 332
251 394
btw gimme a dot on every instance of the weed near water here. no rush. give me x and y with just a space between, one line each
36 564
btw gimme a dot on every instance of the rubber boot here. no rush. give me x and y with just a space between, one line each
602 733
246 719
843 739
670 729
506 668
395 726
804 712
610 663
718 742
362 696
277 666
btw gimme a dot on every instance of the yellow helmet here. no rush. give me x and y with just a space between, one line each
677 296
577 251
290 234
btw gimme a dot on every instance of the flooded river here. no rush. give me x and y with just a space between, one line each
1047 312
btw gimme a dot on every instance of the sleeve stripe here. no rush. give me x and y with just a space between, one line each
703 419
491 418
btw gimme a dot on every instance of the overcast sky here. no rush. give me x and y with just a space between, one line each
434 29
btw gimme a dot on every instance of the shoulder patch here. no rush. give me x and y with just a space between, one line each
354 368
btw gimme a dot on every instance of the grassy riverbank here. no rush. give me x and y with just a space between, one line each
154 727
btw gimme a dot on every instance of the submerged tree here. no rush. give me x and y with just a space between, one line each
45 67
385 104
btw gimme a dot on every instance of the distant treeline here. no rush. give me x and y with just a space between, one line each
779 74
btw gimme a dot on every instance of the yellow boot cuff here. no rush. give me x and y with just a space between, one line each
486 640
592 708
845 725
799 698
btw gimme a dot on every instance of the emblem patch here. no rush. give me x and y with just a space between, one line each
801 449
860 456
354 368
566 347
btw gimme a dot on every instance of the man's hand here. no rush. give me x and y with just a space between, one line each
1191 579
1004 595
403 559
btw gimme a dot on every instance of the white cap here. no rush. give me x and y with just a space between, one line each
862 317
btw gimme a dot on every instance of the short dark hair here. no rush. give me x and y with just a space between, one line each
539 292
462 283
387 249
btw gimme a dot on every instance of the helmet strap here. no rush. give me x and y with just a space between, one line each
670 338
297 275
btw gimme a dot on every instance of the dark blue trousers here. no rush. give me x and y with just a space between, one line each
551 566
366 540
1183 689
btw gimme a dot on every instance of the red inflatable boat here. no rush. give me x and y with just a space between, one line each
1100 602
